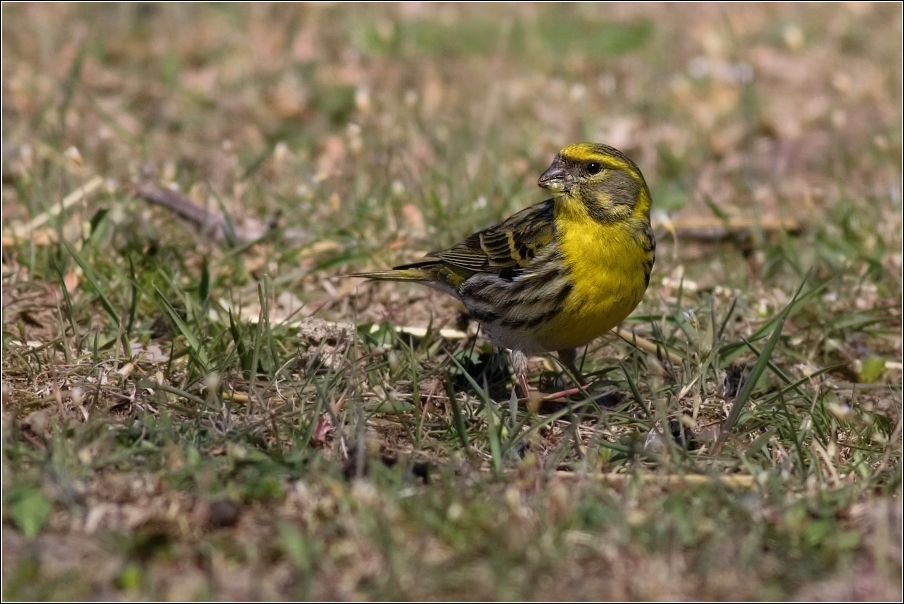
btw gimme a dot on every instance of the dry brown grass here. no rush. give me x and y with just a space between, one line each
174 427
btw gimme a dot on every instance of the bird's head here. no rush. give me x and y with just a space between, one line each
608 184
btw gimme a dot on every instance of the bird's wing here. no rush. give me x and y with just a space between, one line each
510 244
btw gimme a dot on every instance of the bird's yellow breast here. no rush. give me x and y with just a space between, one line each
606 265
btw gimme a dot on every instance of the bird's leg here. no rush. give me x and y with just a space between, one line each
519 364
568 358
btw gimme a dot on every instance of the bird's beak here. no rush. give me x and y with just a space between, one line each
556 178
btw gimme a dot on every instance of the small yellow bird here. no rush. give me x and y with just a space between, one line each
561 273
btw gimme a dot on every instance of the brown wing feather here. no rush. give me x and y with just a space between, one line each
509 244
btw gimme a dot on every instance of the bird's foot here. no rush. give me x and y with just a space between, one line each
565 393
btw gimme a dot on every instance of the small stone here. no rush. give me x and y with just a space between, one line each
223 513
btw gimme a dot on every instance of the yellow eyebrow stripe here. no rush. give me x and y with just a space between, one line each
583 153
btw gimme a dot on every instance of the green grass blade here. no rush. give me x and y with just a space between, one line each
193 342
458 419
493 435
92 279
756 372
635 391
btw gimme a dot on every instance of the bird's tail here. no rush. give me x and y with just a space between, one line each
419 271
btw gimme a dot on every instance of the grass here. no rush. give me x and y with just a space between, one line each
217 413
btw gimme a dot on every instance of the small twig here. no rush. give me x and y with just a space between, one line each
73 198
210 224
705 228
744 481
77 195
645 345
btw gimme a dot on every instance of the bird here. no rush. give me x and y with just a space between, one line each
556 275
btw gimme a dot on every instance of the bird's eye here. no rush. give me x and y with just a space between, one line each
594 167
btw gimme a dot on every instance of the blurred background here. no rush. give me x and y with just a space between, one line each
342 116
180 180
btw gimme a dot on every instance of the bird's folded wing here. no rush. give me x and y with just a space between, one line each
509 244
